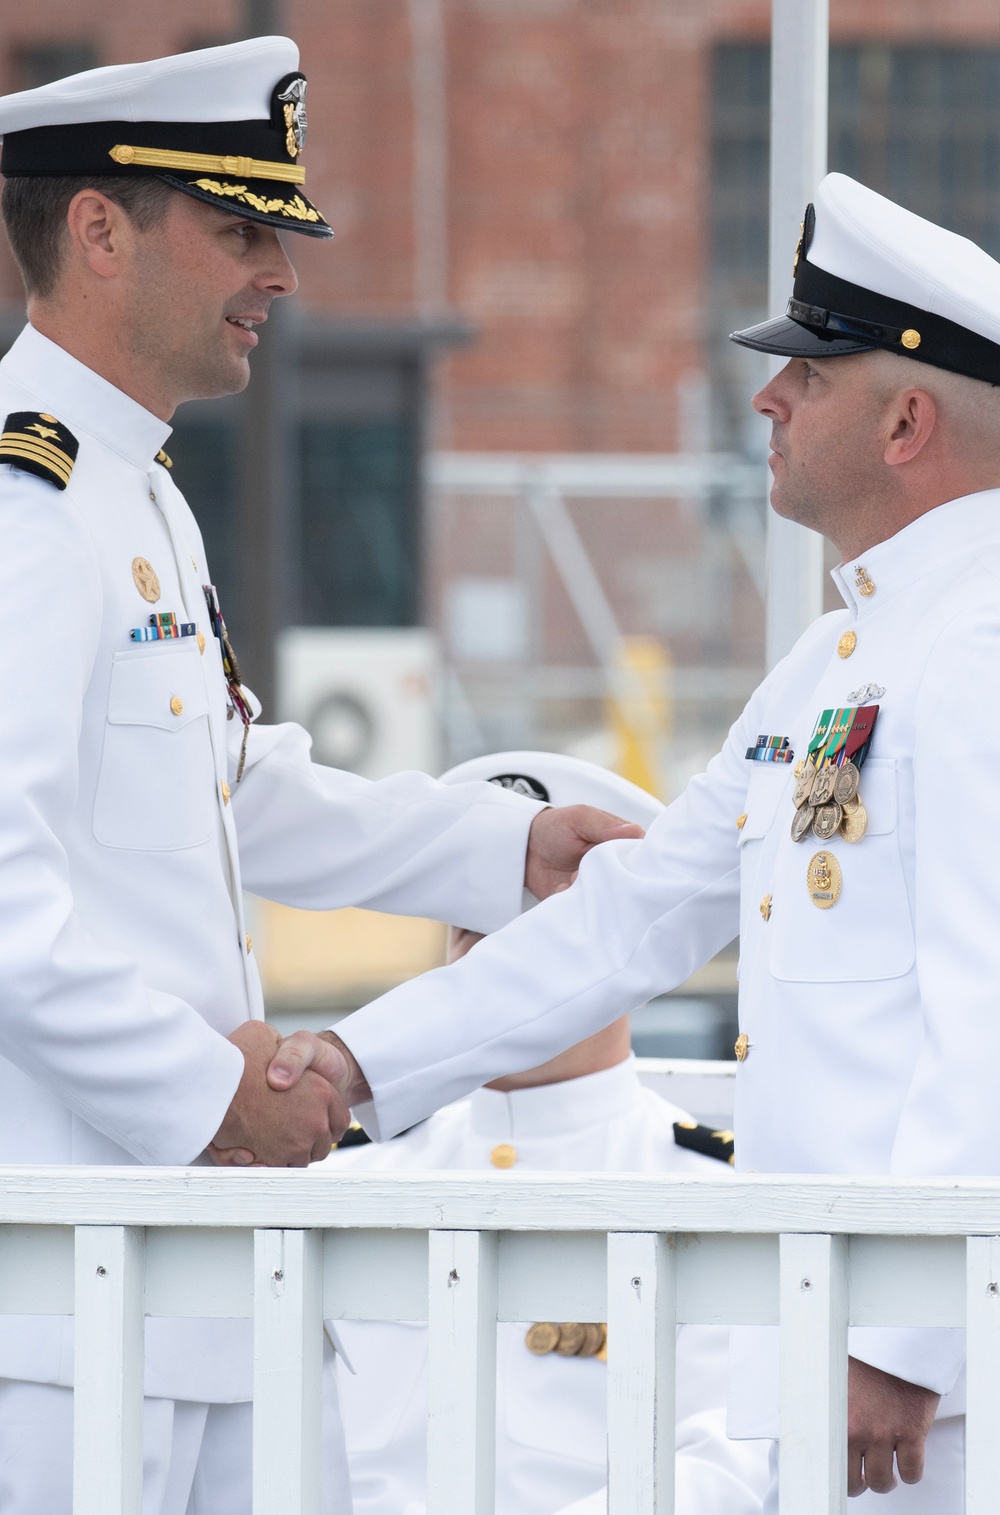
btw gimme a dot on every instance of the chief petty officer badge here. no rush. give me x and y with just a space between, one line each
225 125
37 443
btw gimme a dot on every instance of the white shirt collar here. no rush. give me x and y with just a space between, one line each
82 400
552 1110
925 546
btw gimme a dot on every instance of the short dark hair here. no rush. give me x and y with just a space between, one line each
34 212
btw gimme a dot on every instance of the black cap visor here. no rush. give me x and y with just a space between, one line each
786 338
277 205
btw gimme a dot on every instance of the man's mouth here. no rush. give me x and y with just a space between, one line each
247 322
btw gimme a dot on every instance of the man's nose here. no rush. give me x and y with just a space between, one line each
770 400
278 277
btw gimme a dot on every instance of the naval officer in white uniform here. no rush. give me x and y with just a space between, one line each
870 955
143 204
585 1110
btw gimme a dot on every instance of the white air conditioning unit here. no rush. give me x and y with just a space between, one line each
366 697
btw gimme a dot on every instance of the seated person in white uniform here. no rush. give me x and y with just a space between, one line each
584 1110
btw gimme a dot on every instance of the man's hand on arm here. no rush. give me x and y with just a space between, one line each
885 1415
558 839
272 1124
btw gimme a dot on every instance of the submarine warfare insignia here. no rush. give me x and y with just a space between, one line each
37 443
827 794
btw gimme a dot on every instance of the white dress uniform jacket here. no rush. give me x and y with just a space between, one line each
551 1410
873 1031
123 952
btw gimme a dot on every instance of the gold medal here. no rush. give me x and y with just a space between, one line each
822 787
855 823
542 1338
146 580
803 788
826 821
572 1337
845 785
801 822
823 880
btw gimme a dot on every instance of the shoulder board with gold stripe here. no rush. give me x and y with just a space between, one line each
37 443
720 1144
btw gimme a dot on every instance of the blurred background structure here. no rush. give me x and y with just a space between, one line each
496 482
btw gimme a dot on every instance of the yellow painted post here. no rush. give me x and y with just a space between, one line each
640 711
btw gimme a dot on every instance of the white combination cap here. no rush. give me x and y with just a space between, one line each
224 124
869 274
559 780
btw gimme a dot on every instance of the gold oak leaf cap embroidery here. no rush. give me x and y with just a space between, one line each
226 125
37 443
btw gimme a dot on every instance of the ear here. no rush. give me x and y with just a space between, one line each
912 417
98 232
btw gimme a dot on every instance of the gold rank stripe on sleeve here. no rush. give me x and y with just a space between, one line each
696 1138
37 443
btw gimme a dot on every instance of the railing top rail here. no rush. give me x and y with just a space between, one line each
515 1202
644 475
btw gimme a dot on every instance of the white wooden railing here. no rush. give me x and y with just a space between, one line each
464 1251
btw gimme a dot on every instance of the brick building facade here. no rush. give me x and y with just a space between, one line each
539 167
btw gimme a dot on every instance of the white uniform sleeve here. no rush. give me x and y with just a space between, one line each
639 920
948 1123
138 1065
320 838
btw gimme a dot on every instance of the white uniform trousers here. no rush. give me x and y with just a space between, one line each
941 1491
196 1457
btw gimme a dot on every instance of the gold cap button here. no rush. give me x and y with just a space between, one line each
742 1047
847 644
249 941
226 791
765 907
177 704
910 338
201 642
741 821
503 1156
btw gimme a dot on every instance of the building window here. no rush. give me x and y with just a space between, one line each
916 123
41 63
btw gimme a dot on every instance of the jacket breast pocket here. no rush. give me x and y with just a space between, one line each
868 934
156 787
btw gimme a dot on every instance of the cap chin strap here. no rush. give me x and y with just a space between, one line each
814 316
197 163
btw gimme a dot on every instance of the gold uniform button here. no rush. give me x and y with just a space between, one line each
847 644
765 907
742 1047
741 821
201 642
226 791
910 338
177 704
503 1156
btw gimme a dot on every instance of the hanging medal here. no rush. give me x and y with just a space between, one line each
231 668
827 798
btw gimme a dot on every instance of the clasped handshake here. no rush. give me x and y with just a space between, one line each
295 1097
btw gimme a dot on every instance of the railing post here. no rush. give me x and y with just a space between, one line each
982 1416
108 1375
287 1372
461 1372
642 1339
813 1416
